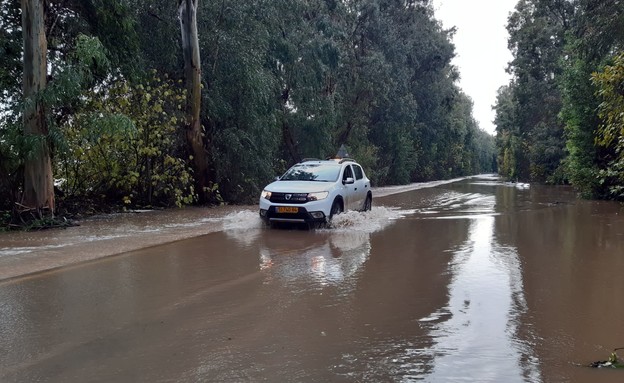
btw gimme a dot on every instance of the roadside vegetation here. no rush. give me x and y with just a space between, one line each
559 120
109 104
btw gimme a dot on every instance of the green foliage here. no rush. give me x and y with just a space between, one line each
281 80
158 34
579 113
10 50
587 50
115 26
10 94
112 22
551 100
610 89
11 172
612 362
121 145
531 136
610 134
61 95
84 67
240 106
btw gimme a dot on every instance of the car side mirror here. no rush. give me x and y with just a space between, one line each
348 181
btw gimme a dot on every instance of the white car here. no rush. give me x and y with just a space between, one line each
313 191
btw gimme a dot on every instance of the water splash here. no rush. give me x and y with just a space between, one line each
242 220
368 222
371 221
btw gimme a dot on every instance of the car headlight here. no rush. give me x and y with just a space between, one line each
265 194
317 196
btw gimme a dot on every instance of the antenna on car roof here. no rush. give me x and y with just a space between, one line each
342 155
342 152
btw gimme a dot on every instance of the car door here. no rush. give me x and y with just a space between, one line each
361 187
350 197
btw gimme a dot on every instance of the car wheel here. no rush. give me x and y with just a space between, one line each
368 204
336 209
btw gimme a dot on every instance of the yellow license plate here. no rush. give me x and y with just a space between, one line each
287 209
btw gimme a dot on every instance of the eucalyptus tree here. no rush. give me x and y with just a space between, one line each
49 85
192 72
389 62
556 47
425 51
381 104
596 36
461 142
278 81
38 188
239 111
510 154
304 55
537 32
238 114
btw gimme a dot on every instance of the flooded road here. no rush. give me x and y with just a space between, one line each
470 281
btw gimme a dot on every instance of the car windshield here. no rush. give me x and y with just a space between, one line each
312 172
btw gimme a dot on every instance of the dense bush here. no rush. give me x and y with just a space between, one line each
124 145
610 135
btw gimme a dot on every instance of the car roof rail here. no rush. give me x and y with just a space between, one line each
347 160
310 159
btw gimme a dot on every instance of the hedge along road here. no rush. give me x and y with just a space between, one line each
474 279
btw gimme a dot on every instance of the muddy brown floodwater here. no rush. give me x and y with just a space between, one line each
475 280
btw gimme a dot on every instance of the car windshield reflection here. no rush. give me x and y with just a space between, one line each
316 172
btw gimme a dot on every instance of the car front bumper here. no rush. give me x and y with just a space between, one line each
305 213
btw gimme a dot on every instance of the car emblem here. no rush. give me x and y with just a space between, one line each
288 197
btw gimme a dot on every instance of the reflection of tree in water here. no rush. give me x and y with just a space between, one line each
301 175
485 296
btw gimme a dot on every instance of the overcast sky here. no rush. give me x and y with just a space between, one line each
481 49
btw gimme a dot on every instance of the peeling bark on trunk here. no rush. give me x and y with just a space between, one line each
187 10
38 178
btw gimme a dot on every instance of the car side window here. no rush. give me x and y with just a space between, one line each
347 173
358 172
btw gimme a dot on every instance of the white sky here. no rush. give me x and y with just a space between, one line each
481 49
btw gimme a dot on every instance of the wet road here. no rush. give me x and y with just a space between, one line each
475 280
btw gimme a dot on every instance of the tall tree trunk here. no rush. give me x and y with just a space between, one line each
38 179
192 70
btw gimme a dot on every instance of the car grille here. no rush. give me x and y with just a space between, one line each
293 198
